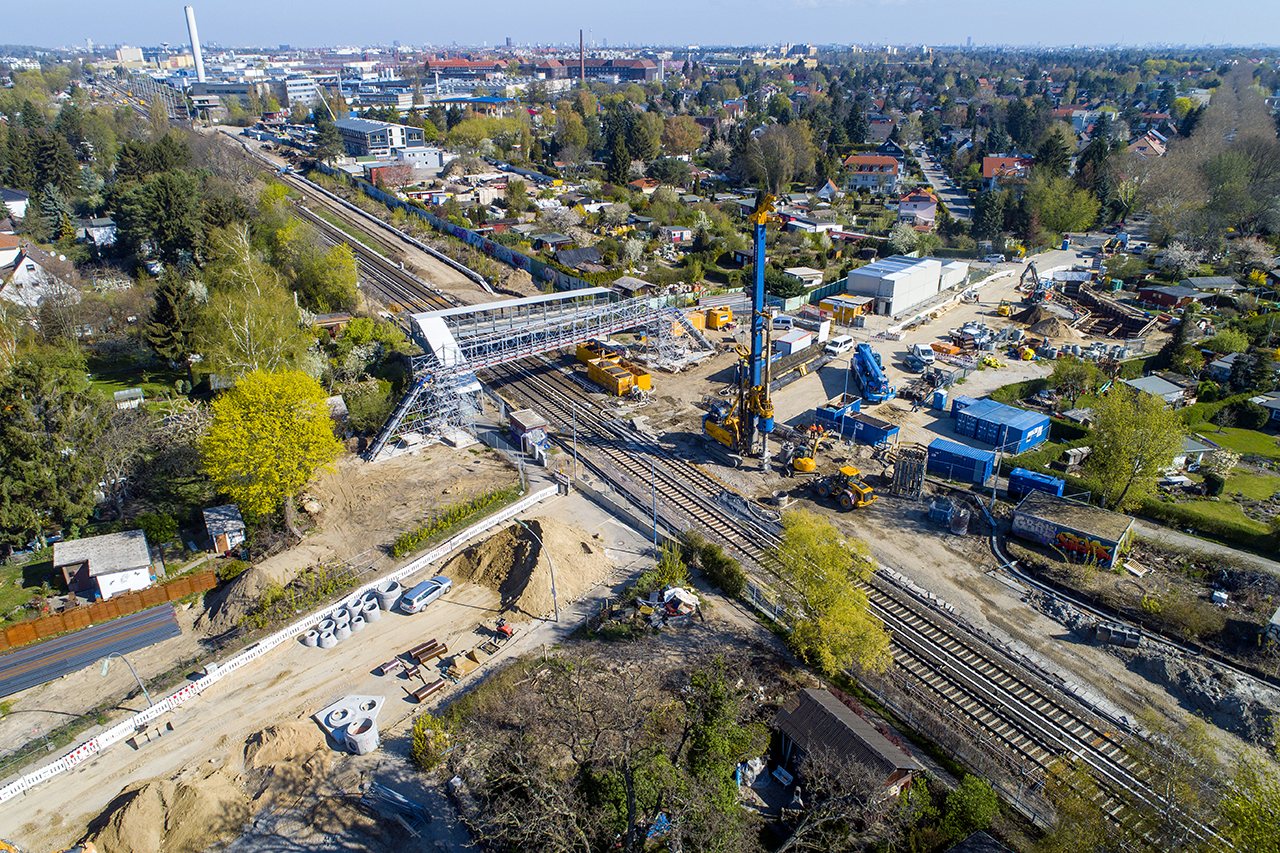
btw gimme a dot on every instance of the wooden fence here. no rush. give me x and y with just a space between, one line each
104 611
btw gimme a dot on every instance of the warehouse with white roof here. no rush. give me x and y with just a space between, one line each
898 284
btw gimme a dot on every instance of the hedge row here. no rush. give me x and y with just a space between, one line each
449 518
1233 533
1200 413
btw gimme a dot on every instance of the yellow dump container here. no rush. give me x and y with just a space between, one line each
718 318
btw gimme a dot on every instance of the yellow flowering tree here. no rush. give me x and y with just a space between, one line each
269 434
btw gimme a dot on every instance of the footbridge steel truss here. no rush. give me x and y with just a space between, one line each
456 342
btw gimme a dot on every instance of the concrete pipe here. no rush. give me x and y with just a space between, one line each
372 612
362 736
357 624
353 611
388 593
338 717
327 640
368 598
341 620
342 632
326 625
310 638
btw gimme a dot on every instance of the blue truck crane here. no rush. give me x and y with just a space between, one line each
868 373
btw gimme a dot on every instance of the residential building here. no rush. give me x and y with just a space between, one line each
813 721
10 248
1001 171
364 137
103 566
1174 395
1148 146
675 234
899 284
875 172
1171 296
425 157
225 526
100 231
31 280
129 398
15 201
807 276
919 208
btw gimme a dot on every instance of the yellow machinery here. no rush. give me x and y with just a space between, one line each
847 487
725 424
804 462
718 318
1005 308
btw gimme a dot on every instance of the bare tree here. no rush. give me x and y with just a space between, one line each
121 447
844 806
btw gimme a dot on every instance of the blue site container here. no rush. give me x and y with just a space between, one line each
960 403
1022 481
960 462
866 429
1011 429
830 413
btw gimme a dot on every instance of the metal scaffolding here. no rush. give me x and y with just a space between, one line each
456 342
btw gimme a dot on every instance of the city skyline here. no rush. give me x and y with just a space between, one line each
238 23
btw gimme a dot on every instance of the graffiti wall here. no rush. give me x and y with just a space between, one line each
1076 545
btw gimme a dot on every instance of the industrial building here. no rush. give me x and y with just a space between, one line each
1078 530
899 284
364 137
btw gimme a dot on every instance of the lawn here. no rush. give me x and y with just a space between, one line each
154 381
18 582
1246 442
1223 510
1256 486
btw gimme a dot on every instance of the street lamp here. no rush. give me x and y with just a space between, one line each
106 663
554 600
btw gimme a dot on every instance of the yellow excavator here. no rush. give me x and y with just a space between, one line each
848 488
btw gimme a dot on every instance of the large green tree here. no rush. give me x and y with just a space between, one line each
49 421
170 330
817 575
269 435
1136 435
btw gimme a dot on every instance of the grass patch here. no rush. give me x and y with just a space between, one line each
450 518
1246 442
1259 487
154 381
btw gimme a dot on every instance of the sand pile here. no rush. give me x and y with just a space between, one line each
288 759
185 816
1044 311
1054 328
512 563
227 606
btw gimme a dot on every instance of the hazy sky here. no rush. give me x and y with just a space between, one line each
55 23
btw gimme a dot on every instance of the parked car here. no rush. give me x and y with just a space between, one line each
924 353
839 344
782 321
416 599
994 259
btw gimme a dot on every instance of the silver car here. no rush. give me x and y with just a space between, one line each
424 593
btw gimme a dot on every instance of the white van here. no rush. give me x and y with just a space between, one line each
839 344
924 352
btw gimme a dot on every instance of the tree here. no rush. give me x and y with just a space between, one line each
903 238
817 573
780 155
1180 260
1227 341
1136 436
329 145
618 169
1250 807
50 420
643 138
1074 377
517 196
164 210
681 135
1061 205
125 437
969 808
1082 826
171 328
269 435
1052 157
669 170
324 277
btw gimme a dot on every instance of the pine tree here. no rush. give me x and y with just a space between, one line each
642 142
21 172
619 167
56 164
855 126
171 325
1052 156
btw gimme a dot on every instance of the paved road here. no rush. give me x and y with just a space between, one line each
957 202
41 662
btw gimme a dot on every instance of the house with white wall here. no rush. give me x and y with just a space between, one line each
103 566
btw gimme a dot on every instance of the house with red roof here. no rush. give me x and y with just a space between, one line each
918 208
1002 171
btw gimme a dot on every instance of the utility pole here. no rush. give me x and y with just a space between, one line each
653 481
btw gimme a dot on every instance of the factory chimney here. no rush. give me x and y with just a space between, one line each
195 43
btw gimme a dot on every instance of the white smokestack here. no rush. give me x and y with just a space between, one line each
195 43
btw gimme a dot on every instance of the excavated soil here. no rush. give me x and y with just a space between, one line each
1052 327
227 606
183 816
516 566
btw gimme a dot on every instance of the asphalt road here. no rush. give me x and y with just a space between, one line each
41 662
957 202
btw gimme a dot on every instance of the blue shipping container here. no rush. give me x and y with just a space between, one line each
867 429
959 462
1022 481
960 403
1011 429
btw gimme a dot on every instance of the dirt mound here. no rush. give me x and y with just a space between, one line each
184 816
1044 311
227 606
1236 704
296 741
1053 328
285 759
515 565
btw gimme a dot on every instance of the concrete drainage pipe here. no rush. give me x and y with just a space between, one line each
327 640
310 638
342 632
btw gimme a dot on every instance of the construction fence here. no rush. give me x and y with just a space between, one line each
76 618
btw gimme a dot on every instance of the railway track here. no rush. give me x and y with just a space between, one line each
1021 714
